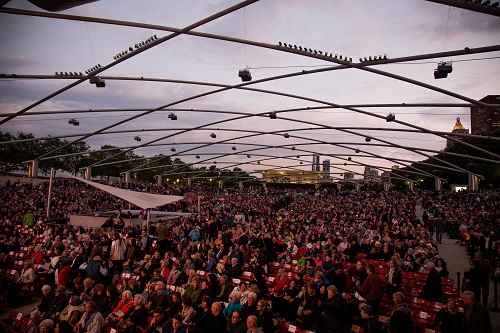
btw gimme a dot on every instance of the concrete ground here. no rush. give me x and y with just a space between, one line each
457 261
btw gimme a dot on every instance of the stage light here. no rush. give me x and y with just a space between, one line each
368 139
76 123
197 156
172 149
137 138
245 75
234 148
258 162
172 116
272 115
80 74
349 158
71 121
301 162
443 69
286 135
360 59
293 148
284 44
357 151
213 136
279 43
298 156
390 117
248 156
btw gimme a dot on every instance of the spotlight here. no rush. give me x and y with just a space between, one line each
66 73
80 74
336 56
213 136
286 135
350 59
390 117
172 116
71 121
197 156
234 148
300 48
137 138
357 151
284 44
57 74
360 59
272 115
258 162
279 43
99 83
298 156
215 162
293 148
245 75
368 139
443 69
172 149
310 50
301 162
345 164
248 156
349 158
76 123
385 56
154 36
295 46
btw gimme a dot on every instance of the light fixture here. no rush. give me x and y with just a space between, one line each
248 156
245 75
172 149
286 135
234 148
293 148
443 69
137 138
258 162
74 122
172 116
215 162
390 117
357 151
368 139
197 156
349 158
100 83
298 156
272 115
301 162
213 136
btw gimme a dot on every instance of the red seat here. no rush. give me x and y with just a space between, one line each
421 318
15 318
434 306
285 328
447 282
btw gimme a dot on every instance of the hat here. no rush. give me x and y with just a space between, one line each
61 289
97 258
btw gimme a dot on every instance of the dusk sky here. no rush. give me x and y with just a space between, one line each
397 28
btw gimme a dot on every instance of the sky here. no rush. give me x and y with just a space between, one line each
397 28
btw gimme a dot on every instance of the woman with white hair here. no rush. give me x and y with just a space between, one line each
45 326
137 315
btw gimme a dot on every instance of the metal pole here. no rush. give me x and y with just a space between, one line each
147 221
49 197
458 281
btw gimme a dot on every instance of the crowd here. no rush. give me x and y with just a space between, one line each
182 272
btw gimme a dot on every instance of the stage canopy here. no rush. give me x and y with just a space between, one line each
140 199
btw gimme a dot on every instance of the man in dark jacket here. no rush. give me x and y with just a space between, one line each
265 320
59 302
333 311
477 318
160 321
94 270
217 322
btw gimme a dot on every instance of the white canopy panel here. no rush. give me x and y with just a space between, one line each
140 199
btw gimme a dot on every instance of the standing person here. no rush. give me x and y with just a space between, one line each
29 219
477 318
472 278
117 254
333 311
394 278
162 234
370 324
400 320
91 321
439 229
373 288
485 271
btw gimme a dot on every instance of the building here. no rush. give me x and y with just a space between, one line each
371 174
458 128
485 121
326 168
315 164
386 177
292 176
348 175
